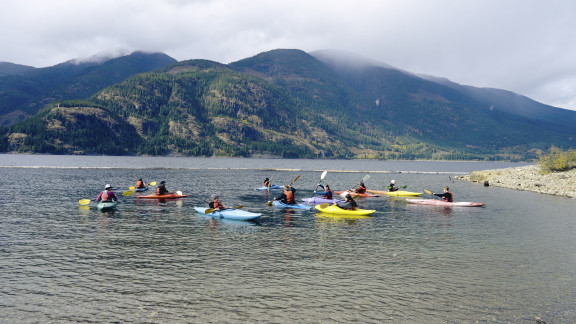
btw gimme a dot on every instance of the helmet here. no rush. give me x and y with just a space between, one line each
393 181
108 186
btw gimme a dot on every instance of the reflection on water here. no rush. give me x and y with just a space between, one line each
160 261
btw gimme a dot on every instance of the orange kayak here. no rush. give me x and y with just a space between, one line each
166 196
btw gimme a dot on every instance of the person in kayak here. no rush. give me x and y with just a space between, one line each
392 186
216 204
447 195
287 196
349 204
107 194
161 190
361 189
266 182
327 192
140 184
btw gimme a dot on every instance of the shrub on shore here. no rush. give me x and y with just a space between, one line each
557 160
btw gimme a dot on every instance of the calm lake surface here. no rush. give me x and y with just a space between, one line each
160 262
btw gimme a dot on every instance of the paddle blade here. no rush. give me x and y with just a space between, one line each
298 177
153 183
324 205
428 191
132 188
84 201
323 175
127 193
209 210
239 207
269 203
179 192
366 178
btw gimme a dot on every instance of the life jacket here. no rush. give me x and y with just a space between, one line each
104 196
328 195
393 188
139 184
361 190
161 190
448 197
215 205
266 183
290 197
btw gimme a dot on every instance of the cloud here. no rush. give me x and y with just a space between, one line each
522 46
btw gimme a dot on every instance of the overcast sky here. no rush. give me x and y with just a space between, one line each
525 46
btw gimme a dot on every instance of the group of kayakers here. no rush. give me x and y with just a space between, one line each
287 196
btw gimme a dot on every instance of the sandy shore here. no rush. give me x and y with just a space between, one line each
527 178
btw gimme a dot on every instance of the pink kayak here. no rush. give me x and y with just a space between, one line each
366 194
438 202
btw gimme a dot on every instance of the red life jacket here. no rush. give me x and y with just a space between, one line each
139 184
448 197
328 195
290 197
361 190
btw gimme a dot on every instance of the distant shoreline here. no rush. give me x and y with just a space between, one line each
527 178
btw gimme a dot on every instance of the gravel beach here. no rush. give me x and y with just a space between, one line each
527 178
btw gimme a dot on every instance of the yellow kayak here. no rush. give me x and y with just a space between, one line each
396 193
333 209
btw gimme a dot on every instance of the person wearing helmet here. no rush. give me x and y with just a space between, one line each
287 196
392 186
107 194
349 204
361 189
161 190
216 204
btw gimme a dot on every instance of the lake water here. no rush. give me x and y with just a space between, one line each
160 262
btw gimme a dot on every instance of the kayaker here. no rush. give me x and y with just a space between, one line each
327 192
447 195
266 182
392 186
107 194
161 190
361 189
140 184
349 204
287 196
216 204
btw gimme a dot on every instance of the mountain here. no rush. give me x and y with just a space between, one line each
24 91
7 68
294 104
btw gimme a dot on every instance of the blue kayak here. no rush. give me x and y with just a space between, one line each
235 214
271 187
141 189
319 200
280 204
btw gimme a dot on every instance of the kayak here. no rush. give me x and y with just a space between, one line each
280 204
234 214
141 189
355 194
396 193
103 205
271 187
438 202
166 196
318 200
334 209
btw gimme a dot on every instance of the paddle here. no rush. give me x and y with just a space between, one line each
211 210
270 182
403 187
179 192
430 193
132 188
298 177
366 177
84 201
127 193
321 178
153 183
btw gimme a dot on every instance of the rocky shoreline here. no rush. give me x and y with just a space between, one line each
527 178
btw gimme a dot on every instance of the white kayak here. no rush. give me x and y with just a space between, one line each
438 202
234 214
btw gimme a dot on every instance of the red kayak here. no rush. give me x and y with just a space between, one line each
366 194
165 196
